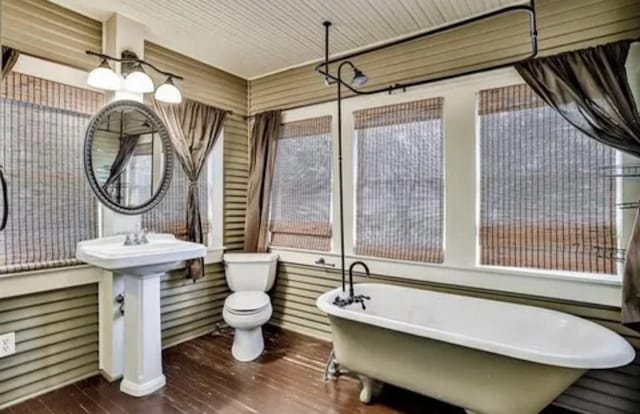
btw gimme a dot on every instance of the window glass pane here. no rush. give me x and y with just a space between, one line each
399 183
170 215
51 206
301 195
544 201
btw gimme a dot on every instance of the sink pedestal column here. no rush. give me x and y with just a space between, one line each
142 335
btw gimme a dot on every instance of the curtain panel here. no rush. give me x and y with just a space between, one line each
194 128
262 154
8 59
125 152
590 89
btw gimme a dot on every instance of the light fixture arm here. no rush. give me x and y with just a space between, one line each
131 58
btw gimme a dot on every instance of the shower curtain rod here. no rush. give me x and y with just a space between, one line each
323 67
533 40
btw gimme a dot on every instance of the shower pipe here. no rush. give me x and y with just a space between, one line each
342 61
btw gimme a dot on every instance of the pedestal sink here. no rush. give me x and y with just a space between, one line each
142 266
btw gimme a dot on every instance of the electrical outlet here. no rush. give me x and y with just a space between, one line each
7 344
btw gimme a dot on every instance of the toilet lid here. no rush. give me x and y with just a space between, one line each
246 301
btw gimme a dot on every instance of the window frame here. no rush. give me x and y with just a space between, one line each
461 190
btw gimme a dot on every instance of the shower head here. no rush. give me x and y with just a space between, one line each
359 78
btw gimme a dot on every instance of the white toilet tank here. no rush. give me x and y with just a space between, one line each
250 271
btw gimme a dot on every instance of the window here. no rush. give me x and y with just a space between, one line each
399 181
170 215
301 194
544 202
51 206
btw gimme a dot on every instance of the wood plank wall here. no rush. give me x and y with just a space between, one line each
563 25
56 340
43 29
56 331
214 87
190 309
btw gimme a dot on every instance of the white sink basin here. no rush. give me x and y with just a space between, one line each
161 253
141 267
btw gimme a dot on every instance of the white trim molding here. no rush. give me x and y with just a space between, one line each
24 283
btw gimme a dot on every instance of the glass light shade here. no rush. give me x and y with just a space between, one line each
103 77
359 78
138 81
168 92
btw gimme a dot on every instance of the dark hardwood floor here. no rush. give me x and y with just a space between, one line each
202 377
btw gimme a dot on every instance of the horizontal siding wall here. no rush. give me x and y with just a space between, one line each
298 286
56 340
600 392
212 86
562 24
190 309
43 29
236 178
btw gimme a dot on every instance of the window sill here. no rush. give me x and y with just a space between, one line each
23 283
579 287
34 281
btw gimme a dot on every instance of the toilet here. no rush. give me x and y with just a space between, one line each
249 276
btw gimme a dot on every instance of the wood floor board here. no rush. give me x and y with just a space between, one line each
202 377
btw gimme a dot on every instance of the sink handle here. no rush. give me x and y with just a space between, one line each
127 240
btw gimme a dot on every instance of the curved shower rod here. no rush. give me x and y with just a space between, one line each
323 67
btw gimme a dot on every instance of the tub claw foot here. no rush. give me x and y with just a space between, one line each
371 388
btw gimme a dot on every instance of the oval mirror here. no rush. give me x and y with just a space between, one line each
128 157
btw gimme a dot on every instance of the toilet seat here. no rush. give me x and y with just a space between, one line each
247 303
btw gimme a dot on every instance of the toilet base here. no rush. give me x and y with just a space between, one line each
248 344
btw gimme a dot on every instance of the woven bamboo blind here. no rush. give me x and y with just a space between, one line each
170 216
301 195
399 189
543 202
51 205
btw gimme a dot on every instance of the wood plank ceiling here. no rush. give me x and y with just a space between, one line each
252 38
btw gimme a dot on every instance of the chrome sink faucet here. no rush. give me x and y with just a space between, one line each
136 239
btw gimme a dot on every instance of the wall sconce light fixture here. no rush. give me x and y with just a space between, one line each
135 80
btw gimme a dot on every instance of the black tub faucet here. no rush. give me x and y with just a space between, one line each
354 264
353 298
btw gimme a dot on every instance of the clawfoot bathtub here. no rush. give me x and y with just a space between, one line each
487 356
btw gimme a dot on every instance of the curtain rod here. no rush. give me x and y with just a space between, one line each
533 33
323 67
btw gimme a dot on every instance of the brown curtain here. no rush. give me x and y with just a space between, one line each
262 154
590 89
125 152
194 129
9 59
